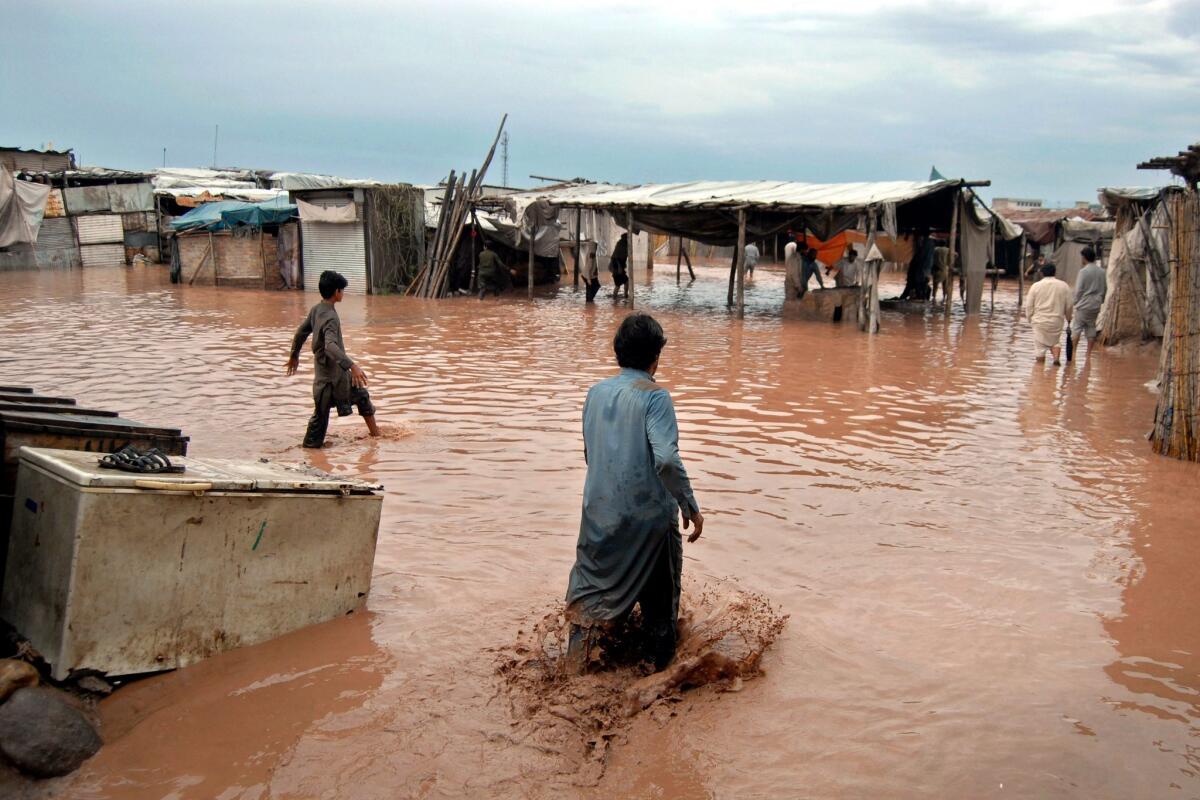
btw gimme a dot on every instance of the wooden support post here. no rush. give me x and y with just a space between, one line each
687 259
532 236
741 264
629 256
679 262
949 277
1021 273
578 225
649 252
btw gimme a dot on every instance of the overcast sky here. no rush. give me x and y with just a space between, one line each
1048 99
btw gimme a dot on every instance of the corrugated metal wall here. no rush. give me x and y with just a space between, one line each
56 244
99 228
102 255
340 247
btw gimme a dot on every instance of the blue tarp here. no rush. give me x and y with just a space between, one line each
231 213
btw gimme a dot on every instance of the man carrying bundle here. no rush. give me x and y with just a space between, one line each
630 551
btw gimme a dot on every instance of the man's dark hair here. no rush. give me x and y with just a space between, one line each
1048 270
1089 254
811 252
330 282
638 342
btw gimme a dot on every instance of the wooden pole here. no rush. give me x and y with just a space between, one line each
688 260
741 264
679 262
532 236
649 252
949 277
629 255
1021 274
578 225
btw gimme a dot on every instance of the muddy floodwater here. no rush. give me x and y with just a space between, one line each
991 580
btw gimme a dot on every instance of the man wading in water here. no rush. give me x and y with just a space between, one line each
337 381
630 549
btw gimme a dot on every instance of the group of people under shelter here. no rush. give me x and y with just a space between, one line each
630 550
802 266
1051 304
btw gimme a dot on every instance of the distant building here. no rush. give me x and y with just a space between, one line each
18 160
1015 203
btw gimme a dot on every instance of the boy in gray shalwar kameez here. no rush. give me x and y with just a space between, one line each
337 381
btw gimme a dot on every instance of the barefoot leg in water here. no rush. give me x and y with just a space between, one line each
372 426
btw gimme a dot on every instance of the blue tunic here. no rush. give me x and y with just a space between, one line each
636 486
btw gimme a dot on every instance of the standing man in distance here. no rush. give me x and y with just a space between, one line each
618 265
337 380
1048 309
630 550
1091 286
751 258
845 271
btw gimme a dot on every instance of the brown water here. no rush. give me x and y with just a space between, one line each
991 580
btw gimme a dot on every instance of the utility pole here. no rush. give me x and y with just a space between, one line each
216 133
504 158
164 156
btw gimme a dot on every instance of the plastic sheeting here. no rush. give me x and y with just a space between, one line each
230 213
127 197
975 246
293 181
341 213
22 205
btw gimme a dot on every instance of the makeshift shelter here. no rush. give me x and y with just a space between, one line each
371 233
1138 268
231 243
728 212
1177 416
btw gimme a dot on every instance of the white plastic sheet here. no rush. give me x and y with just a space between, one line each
22 205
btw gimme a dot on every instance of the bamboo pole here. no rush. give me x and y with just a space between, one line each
948 279
1021 273
688 260
629 258
578 226
529 277
741 264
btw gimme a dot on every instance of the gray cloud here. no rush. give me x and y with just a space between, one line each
1044 107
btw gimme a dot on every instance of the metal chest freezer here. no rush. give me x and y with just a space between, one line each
126 573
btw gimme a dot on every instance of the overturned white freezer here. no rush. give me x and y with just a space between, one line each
125 573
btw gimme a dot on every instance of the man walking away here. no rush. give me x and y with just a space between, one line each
490 268
1048 308
1090 288
337 380
751 258
630 550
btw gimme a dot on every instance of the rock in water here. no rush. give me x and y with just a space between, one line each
44 735
15 675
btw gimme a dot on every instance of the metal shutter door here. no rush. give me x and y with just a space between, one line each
339 247
99 229
103 255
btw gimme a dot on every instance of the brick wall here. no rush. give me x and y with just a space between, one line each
240 260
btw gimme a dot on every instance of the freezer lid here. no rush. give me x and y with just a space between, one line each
83 469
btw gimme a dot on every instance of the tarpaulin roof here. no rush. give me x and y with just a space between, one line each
783 195
1041 224
705 210
297 181
228 213
1113 196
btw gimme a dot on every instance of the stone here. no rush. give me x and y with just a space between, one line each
95 685
15 675
43 735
